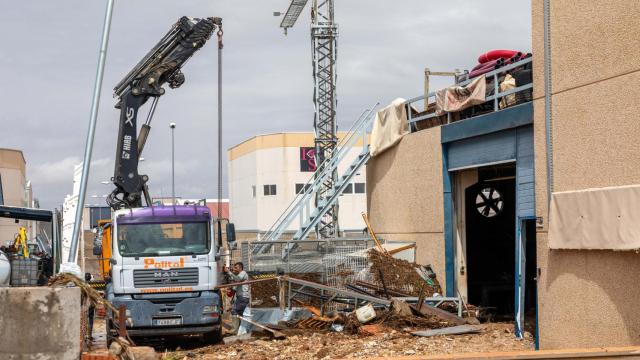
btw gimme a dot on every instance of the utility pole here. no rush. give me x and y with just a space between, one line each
88 149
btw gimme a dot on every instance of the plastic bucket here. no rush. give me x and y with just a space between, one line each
365 313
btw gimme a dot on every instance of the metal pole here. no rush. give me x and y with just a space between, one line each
173 167
86 164
547 98
220 46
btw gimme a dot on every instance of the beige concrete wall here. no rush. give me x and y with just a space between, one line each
12 174
405 196
587 298
40 323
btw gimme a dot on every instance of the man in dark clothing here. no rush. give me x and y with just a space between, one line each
92 308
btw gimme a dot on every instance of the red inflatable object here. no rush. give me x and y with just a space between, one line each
496 54
483 65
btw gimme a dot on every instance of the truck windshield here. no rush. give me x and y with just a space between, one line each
163 239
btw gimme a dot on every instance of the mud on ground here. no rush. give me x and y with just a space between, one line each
330 345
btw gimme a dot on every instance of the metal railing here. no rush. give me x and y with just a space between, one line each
301 206
497 94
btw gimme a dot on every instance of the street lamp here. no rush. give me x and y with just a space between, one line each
173 168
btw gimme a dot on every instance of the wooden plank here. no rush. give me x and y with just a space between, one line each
373 234
629 352
453 330
276 334
443 314
400 249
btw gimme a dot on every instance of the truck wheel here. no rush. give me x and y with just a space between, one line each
213 337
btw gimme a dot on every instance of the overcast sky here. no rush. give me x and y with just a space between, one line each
50 51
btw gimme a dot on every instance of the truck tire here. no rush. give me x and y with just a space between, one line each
213 337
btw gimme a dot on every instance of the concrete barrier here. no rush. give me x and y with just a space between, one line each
40 323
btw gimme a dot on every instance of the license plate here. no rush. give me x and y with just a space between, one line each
168 322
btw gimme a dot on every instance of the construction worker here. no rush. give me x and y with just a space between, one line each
92 309
242 293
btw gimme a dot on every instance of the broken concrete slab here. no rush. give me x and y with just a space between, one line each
23 308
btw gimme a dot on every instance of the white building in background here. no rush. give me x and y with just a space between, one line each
69 208
267 171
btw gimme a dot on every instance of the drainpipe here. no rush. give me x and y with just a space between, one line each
547 97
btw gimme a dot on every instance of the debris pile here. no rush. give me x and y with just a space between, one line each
265 294
339 345
403 277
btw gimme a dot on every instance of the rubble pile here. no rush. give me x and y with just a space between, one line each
403 276
332 345
265 294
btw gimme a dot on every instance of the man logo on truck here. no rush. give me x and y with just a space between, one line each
151 263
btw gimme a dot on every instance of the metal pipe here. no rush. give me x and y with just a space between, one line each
86 164
219 215
172 126
547 98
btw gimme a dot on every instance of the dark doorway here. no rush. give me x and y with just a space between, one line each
490 226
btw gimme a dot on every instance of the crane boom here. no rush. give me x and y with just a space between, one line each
161 65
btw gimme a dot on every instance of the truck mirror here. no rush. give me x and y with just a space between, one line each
97 250
231 232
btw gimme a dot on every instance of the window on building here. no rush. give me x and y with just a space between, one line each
269 190
348 189
99 213
359 188
300 187
1 192
253 191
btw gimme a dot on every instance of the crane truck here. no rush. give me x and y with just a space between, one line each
161 263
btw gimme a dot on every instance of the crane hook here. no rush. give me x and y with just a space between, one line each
220 33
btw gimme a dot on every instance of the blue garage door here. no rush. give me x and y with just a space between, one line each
482 150
524 173
500 147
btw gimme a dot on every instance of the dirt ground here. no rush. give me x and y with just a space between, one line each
331 345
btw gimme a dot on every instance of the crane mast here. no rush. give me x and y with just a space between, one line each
324 50
324 33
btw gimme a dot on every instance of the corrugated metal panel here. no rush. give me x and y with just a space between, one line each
482 150
525 173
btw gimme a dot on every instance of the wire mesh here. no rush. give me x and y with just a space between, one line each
337 263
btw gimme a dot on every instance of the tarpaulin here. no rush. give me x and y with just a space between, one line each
389 127
456 98
507 84
604 218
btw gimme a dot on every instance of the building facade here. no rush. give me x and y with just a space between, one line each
267 171
473 193
15 190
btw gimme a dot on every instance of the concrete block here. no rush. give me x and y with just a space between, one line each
40 323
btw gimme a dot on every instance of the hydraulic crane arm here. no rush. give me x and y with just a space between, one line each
160 66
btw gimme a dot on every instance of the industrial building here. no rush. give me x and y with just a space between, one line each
15 190
267 171
473 192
